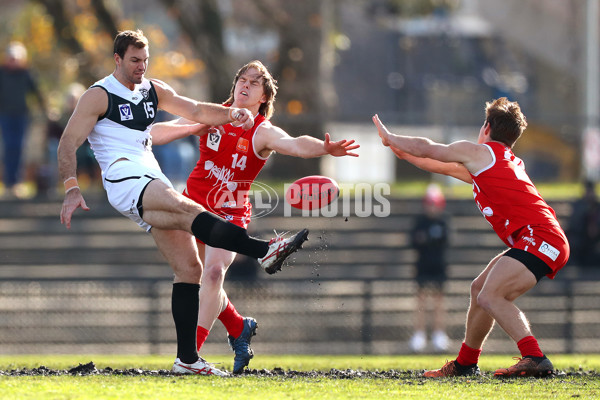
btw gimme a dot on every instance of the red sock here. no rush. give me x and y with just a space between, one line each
467 355
232 320
529 346
201 335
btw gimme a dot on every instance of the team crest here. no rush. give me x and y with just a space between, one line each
125 112
145 93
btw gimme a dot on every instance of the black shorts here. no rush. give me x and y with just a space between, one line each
538 267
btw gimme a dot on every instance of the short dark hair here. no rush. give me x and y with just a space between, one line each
505 119
269 87
125 39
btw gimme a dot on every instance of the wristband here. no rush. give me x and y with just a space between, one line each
70 184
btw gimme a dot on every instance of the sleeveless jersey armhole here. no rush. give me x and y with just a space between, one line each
254 138
109 101
153 93
491 164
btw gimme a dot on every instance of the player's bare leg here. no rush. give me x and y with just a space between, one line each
213 298
215 303
478 326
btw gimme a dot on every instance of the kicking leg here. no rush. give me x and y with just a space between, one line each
165 208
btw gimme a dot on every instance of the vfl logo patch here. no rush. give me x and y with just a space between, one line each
213 140
243 145
125 112
550 251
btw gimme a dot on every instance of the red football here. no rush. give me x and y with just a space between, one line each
312 192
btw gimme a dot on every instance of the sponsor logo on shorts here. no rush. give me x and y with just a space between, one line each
132 208
530 240
549 250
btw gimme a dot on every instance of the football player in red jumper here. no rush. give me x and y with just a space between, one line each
230 160
514 208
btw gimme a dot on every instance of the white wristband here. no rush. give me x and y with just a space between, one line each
71 188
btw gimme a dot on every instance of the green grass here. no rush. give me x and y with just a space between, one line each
584 386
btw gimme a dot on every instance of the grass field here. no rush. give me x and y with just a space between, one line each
299 377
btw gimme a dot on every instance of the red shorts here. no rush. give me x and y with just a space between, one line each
548 243
240 220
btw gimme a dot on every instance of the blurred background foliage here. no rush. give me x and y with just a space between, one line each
415 62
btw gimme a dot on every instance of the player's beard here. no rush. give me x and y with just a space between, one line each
135 78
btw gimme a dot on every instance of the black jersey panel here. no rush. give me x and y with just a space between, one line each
133 116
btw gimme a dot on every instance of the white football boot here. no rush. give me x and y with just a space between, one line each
280 249
200 367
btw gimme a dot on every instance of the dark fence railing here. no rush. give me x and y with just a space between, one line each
370 316
102 287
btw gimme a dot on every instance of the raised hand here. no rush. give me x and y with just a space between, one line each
382 130
340 148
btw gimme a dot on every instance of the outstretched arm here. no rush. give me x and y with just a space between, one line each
206 113
427 154
168 131
453 169
272 138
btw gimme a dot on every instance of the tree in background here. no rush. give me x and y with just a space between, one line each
302 62
189 49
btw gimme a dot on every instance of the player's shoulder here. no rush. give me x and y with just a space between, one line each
477 157
95 98
163 89
266 128
159 84
467 149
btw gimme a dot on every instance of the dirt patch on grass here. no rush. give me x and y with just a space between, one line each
410 375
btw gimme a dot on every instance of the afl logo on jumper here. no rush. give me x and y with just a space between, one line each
125 112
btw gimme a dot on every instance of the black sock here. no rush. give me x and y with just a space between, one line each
463 368
537 359
184 307
216 232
